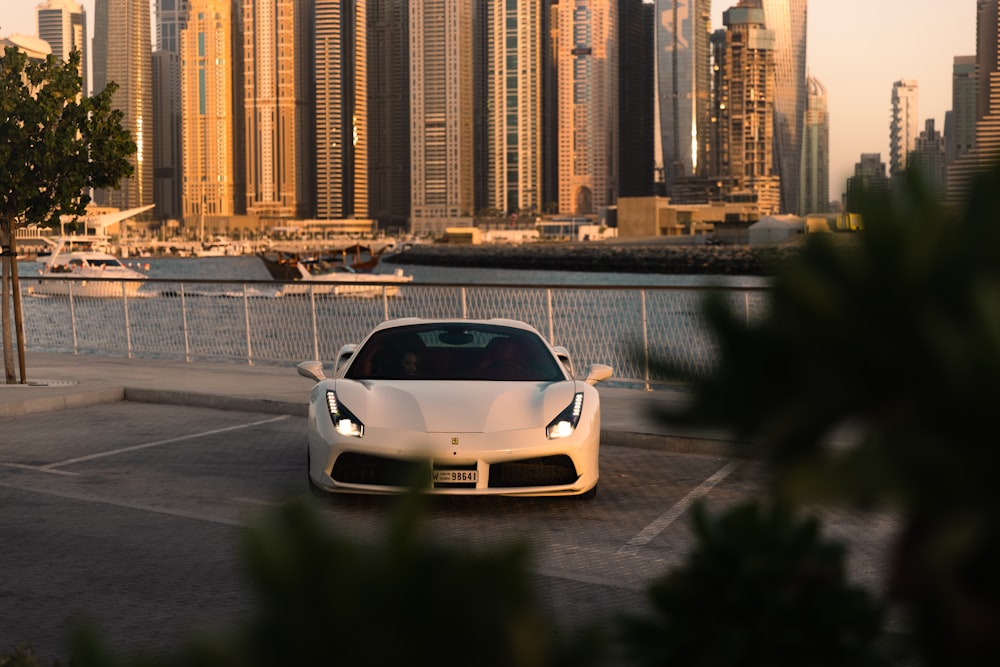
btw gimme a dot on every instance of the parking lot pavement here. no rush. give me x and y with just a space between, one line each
131 514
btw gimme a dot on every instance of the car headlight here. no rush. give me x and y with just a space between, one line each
344 420
565 423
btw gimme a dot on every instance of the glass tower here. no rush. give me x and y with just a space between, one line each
786 19
123 54
683 88
63 24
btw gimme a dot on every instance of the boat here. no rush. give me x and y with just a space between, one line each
343 272
78 268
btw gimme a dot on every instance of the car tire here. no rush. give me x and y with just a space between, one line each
590 494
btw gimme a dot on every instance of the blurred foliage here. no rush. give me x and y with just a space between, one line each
761 587
890 346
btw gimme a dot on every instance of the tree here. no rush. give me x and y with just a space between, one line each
55 145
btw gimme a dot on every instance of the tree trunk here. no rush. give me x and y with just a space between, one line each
6 233
15 288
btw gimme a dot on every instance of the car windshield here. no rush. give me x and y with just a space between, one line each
455 351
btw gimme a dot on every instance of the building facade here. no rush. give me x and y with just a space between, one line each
637 94
442 150
960 136
586 60
389 111
514 106
928 159
683 88
341 113
205 44
63 24
123 54
869 177
744 159
903 125
815 177
277 108
786 19
986 145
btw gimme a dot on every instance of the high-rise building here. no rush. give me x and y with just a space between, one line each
277 107
442 150
389 111
815 177
683 88
170 17
961 135
63 24
514 106
744 155
636 92
786 19
986 146
341 54
928 158
903 125
585 45
869 177
205 44
123 54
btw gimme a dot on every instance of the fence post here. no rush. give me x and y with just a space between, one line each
128 325
552 329
184 320
645 339
312 306
465 308
246 319
72 317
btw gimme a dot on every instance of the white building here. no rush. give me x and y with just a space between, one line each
903 125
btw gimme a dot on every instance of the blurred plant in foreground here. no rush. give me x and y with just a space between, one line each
761 587
889 346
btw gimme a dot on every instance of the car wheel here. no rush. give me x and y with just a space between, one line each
590 494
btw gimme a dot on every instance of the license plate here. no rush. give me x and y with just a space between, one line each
456 476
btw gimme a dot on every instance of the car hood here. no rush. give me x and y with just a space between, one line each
454 407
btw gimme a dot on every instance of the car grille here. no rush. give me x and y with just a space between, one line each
543 471
352 468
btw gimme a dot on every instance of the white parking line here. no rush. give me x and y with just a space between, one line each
51 467
662 522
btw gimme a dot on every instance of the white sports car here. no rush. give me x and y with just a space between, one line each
454 407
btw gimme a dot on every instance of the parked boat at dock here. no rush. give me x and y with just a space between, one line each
343 272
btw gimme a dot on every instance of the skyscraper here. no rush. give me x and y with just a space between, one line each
636 92
389 111
961 136
341 109
744 159
205 44
815 178
441 106
928 158
986 148
683 87
277 89
586 59
786 19
123 54
903 125
869 176
514 118
63 24
170 17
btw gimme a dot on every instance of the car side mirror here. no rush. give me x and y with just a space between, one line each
598 372
312 370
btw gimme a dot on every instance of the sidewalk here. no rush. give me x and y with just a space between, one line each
62 381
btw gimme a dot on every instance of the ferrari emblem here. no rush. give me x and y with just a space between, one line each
454 441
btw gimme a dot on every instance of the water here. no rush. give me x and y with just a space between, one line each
251 268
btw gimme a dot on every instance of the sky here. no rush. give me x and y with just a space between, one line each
856 48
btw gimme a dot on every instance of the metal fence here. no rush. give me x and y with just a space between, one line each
628 328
